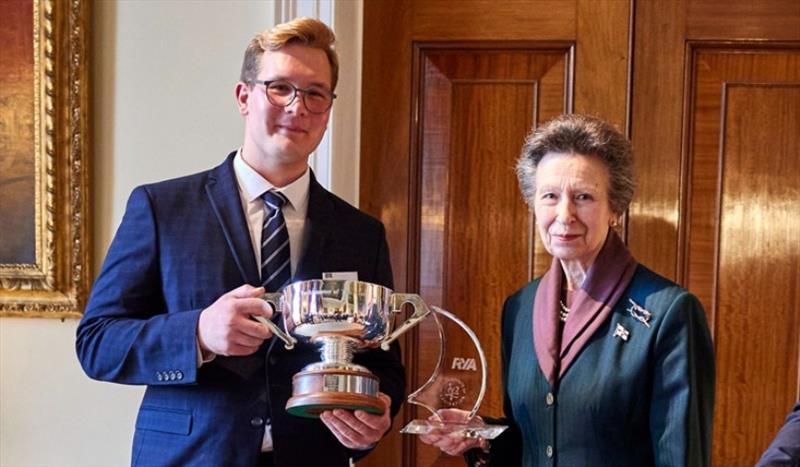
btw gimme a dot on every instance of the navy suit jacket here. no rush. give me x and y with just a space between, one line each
181 244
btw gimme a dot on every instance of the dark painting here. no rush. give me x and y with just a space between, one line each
17 151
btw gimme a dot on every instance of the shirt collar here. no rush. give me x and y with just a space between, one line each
253 185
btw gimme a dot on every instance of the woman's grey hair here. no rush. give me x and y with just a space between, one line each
580 134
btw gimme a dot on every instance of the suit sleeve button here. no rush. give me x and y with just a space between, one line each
159 376
171 375
256 422
179 375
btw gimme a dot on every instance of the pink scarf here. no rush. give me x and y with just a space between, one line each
605 283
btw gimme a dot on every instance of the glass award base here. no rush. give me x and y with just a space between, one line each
482 430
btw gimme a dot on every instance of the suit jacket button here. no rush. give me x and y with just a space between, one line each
256 422
549 399
549 451
273 360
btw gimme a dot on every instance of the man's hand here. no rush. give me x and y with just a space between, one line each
358 429
225 328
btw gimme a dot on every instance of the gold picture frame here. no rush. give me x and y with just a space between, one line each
52 278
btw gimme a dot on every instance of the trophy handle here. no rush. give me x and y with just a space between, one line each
421 310
274 299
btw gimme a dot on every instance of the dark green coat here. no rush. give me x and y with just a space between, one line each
647 400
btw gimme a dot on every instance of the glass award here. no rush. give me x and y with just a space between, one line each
458 382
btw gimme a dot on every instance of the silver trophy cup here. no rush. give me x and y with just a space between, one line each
341 317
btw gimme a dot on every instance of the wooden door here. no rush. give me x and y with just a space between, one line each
716 130
451 89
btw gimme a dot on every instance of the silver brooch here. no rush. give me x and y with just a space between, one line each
639 313
622 333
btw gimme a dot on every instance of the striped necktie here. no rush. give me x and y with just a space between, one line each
275 259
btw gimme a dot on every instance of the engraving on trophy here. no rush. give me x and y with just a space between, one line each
330 383
453 392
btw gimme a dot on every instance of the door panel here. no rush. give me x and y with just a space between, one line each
743 236
763 19
757 309
714 128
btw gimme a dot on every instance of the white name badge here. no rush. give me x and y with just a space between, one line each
341 275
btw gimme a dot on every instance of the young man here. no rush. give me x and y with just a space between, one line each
172 306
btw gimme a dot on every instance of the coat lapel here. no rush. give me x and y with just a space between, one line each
223 194
592 304
607 280
222 191
546 335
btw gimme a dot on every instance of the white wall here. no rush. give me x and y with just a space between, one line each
345 126
164 74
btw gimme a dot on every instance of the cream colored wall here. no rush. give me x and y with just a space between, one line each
164 106
345 126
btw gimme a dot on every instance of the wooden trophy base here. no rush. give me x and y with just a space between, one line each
315 391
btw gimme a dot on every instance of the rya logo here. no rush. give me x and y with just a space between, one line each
464 364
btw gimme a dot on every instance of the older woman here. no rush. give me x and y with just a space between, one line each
604 361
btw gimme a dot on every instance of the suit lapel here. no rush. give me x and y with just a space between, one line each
223 194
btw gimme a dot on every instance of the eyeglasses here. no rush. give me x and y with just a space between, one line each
282 93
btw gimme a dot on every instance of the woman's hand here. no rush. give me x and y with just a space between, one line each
449 441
